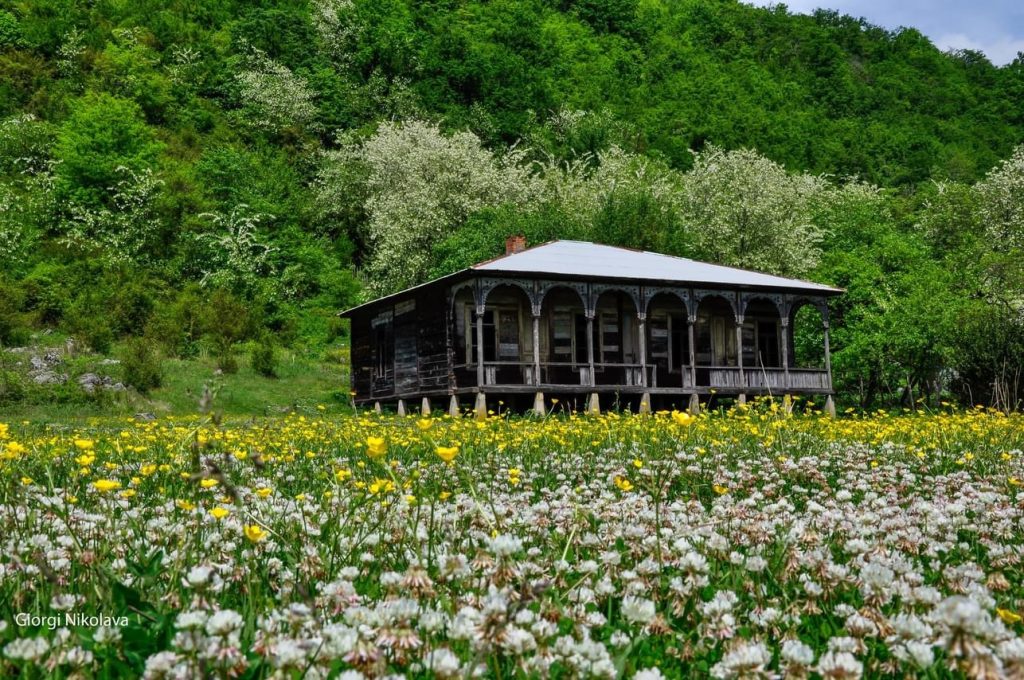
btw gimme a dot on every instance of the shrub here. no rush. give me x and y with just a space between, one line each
13 330
142 365
263 358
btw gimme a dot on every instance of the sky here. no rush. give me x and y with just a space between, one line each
995 27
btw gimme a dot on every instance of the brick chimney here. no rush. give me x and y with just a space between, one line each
515 244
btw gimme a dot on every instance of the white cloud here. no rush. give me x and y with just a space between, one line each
994 27
1000 50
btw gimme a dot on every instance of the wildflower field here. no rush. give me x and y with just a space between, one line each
748 543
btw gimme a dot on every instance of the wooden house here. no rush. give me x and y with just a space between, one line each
587 323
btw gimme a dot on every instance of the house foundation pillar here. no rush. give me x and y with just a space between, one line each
425 407
453 407
480 408
401 407
645 403
538 404
694 407
594 404
742 399
830 407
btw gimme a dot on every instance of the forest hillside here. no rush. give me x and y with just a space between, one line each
183 177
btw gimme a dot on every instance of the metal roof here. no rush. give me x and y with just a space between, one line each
579 258
594 260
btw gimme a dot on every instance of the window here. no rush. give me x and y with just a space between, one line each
680 347
508 334
610 335
561 335
501 334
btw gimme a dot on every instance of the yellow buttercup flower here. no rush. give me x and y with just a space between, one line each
1009 616
254 532
376 447
623 483
208 483
85 444
447 453
719 489
680 418
264 492
424 424
13 450
105 485
220 512
185 505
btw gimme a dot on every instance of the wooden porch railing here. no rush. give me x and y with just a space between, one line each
553 373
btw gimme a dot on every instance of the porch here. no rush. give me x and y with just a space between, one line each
518 336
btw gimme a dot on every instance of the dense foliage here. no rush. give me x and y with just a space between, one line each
166 167
736 545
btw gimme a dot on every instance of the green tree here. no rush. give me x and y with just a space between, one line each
103 133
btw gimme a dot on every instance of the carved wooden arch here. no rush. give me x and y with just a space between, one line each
776 299
545 287
683 294
488 285
599 289
701 294
795 302
458 287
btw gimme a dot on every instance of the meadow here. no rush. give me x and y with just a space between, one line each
747 543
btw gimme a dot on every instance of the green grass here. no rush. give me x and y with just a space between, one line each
303 381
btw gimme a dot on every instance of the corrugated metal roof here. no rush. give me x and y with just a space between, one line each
579 258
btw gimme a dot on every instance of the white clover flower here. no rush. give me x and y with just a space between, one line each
442 662
65 602
223 622
648 674
745 660
27 649
505 545
198 575
638 609
840 665
190 620
797 653
106 635
161 665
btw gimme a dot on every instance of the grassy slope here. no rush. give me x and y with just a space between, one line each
301 384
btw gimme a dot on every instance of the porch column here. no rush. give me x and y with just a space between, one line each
642 319
536 346
785 353
480 345
690 321
590 344
828 356
739 349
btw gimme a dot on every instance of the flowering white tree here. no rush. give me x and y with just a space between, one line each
1001 203
336 25
746 210
419 185
274 98
126 231
236 258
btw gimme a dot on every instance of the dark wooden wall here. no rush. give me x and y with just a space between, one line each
362 354
420 343
432 310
